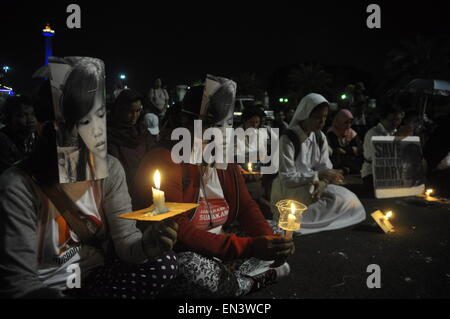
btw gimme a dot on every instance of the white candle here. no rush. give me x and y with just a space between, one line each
291 218
428 193
291 221
388 215
158 195
250 167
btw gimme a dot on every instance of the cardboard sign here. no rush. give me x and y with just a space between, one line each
147 214
397 166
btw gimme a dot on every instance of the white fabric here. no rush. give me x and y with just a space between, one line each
61 247
152 122
158 98
337 208
255 145
305 107
377 130
445 163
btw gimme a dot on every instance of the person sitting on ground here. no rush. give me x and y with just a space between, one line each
49 230
437 154
391 118
252 118
307 175
213 260
345 143
128 138
17 138
280 120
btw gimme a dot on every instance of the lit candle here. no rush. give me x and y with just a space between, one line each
291 218
250 167
291 225
387 215
428 192
158 195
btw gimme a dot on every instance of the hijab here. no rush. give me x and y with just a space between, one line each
338 125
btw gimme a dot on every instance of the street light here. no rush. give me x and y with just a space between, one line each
6 68
122 77
343 96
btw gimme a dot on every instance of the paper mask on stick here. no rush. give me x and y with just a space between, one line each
78 89
216 111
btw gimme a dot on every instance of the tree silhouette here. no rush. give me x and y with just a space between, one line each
309 77
420 58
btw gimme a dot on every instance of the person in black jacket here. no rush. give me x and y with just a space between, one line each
345 143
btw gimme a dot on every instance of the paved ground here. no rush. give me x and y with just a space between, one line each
414 261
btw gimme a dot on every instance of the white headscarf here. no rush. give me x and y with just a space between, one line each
305 107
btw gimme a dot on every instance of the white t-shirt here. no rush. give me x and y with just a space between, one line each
158 98
61 247
213 217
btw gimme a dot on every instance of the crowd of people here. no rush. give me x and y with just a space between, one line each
229 246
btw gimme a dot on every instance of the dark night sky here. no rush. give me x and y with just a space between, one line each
182 42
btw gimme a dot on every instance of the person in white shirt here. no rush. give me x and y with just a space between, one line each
159 97
307 175
391 118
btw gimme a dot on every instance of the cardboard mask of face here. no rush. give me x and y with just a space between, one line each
78 91
216 111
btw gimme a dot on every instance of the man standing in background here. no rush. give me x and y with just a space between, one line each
159 97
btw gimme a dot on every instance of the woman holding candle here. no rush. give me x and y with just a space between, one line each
50 229
213 260
307 175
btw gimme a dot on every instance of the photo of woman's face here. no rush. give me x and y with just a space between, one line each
92 128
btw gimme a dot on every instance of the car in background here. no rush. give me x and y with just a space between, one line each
243 101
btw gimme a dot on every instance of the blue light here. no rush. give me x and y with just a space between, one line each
6 68
122 77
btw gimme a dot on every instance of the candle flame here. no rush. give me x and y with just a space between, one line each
157 179
293 208
429 192
250 167
388 215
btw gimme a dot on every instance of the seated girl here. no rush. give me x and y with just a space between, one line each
213 260
345 144
66 239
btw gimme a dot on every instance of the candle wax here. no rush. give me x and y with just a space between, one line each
159 200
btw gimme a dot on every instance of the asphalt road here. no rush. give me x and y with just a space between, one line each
414 261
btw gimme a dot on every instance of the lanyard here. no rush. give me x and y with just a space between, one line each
206 196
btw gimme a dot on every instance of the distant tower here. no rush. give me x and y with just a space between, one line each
48 34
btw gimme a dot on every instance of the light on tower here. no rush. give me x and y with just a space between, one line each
47 31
